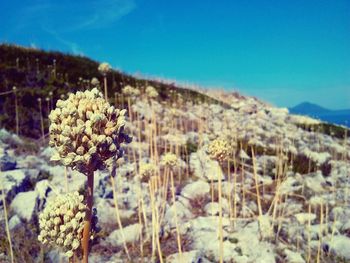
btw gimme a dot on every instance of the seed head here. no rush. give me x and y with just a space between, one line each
56 222
170 160
151 92
219 149
147 170
130 91
86 131
104 68
95 82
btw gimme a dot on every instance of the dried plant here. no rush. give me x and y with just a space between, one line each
86 132
104 68
62 222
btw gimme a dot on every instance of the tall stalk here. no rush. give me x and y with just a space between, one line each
221 241
16 107
178 237
88 214
7 223
41 118
115 200
105 85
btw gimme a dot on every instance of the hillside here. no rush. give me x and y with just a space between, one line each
216 177
40 74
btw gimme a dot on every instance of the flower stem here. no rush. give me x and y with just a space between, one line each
105 85
7 223
87 223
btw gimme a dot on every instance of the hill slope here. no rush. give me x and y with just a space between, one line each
34 74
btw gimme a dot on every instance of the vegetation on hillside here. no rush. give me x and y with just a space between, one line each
50 75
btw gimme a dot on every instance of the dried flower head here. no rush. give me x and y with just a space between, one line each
219 149
151 92
175 112
147 170
86 131
130 91
170 160
62 222
95 82
104 68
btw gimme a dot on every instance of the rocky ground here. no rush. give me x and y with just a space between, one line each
287 200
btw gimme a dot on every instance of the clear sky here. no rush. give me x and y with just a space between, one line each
282 51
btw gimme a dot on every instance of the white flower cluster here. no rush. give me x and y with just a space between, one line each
147 170
62 222
170 160
104 68
130 91
151 92
219 149
86 131
95 82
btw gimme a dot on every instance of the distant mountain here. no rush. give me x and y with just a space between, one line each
341 117
309 108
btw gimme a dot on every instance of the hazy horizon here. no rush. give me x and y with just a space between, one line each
282 52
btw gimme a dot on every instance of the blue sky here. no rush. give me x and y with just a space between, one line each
281 51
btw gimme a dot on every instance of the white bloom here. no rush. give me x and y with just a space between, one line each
95 82
151 92
219 149
147 170
169 159
104 68
54 230
130 91
83 122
